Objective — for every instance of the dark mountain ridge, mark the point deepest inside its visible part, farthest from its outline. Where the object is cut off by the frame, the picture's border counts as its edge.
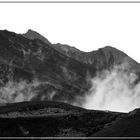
(101, 58)
(25, 59)
(34, 35)
(56, 119)
(61, 75)
(54, 75)
(52, 119)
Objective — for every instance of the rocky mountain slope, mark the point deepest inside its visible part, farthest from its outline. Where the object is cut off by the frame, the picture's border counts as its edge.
(101, 59)
(52, 119)
(25, 59)
(48, 76)
(56, 119)
(60, 72)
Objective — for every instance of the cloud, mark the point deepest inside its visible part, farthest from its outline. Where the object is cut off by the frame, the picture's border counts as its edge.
(115, 90)
(22, 91)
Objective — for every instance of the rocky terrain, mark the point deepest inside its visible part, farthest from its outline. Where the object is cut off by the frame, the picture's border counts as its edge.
(56, 119)
(55, 72)
(40, 82)
(52, 119)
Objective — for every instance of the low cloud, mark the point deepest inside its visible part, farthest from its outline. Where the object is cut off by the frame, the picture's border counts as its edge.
(18, 91)
(116, 89)
(22, 91)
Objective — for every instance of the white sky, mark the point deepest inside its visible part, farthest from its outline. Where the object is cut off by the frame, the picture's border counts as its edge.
(87, 26)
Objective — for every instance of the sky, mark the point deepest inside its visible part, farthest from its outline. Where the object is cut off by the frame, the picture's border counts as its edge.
(86, 26)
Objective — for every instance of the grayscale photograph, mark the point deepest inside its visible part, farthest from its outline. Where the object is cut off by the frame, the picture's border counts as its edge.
(69, 69)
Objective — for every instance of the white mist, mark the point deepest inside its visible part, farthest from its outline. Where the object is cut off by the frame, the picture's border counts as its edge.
(114, 90)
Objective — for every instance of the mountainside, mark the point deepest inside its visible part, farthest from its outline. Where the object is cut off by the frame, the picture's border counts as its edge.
(102, 58)
(34, 35)
(29, 60)
(42, 86)
(52, 119)
(56, 119)
(53, 71)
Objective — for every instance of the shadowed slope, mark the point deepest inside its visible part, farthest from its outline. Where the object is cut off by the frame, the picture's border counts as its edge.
(52, 119)
(128, 126)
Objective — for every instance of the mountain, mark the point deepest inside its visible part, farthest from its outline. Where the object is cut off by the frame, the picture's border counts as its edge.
(30, 34)
(58, 77)
(40, 83)
(101, 58)
(53, 71)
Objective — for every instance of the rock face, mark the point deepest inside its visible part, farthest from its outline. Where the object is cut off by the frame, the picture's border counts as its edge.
(59, 77)
(53, 71)
(34, 35)
(101, 58)
(32, 69)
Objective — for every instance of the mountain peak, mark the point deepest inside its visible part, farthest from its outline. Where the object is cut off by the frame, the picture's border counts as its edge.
(31, 34)
(110, 48)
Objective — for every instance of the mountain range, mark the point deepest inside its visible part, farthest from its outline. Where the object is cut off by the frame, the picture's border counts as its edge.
(60, 69)
(44, 77)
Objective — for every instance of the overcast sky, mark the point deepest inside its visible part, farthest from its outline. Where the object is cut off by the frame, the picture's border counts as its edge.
(87, 26)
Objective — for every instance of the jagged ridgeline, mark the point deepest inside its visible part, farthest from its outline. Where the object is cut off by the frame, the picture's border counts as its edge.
(32, 68)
